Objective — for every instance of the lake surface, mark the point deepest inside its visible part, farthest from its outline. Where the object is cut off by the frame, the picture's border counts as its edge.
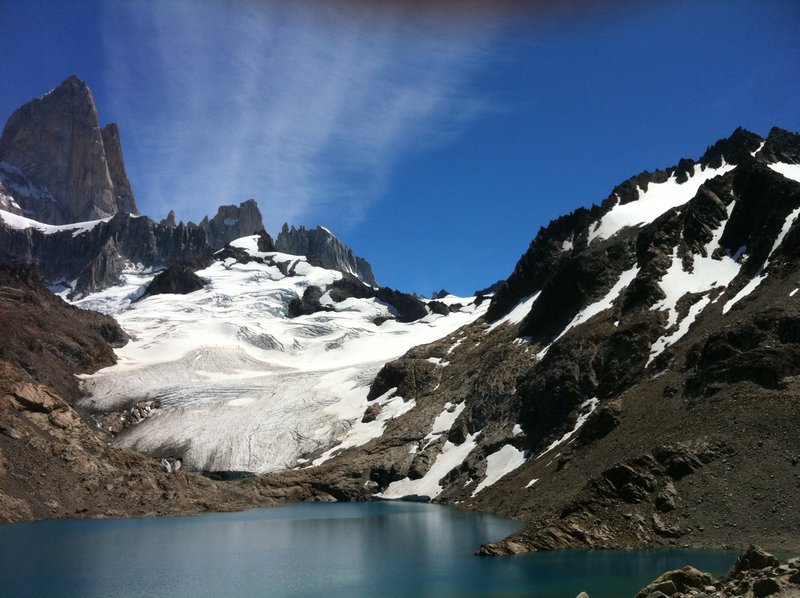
(314, 549)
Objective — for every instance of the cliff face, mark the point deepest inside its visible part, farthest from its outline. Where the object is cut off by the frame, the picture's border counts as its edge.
(89, 260)
(324, 249)
(121, 187)
(57, 143)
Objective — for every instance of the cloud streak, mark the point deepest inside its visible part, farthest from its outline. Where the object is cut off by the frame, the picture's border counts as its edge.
(306, 106)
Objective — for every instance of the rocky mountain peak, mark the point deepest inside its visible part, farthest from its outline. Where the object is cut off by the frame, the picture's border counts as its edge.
(561, 249)
(740, 146)
(323, 248)
(781, 146)
(56, 142)
(232, 222)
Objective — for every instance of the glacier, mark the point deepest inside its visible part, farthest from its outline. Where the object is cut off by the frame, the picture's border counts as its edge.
(240, 385)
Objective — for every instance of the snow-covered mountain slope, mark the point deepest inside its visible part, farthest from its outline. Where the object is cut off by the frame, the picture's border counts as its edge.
(240, 385)
(625, 377)
(18, 222)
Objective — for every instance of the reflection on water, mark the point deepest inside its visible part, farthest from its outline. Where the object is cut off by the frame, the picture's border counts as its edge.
(313, 549)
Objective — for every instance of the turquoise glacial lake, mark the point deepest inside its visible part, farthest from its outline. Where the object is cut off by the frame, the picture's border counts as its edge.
(314, 549)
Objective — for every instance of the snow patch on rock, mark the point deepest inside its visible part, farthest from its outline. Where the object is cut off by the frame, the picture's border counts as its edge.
(499, 464)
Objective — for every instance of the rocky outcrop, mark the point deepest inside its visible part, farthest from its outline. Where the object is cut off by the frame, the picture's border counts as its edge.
(323, 249)
(57, 143)
(403, 307)
(94, 259)
(48, 338)
(178, 279)
(233, 222)
(756, 573)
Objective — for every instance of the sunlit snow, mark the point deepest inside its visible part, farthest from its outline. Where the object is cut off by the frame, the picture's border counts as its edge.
(499, 464)
(22, 223)
(452, 456)
(706, 274)
(517, 314)
(761, 274)
(790, 171)
(445, 420)
(241, 385)
(652, 203)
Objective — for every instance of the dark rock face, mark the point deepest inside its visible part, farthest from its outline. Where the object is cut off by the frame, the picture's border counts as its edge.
(56, 142)
(178, 279)
(540, 263)
(309, 304)
(350, 286)
(47, 337)
(123, 193)
(95, 258)
(232, 222)
(323, 249)
(16, 190)
(765, 350)
(404, 307)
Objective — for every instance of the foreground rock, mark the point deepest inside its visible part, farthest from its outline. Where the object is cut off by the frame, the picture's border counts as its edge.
(756, 573)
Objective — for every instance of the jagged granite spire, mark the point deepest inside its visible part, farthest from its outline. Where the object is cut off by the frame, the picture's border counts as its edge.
(57, 143)
(321, 246)
(123, 193)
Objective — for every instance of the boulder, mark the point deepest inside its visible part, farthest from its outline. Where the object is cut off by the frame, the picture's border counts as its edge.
(754, 557)
(178, 279)
(678, 580)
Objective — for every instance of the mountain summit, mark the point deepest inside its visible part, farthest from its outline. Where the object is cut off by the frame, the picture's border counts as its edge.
(66, 204)
(57, 143)
(322, 247)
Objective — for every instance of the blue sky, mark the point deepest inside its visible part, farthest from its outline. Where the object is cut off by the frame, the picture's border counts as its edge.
(434, 141)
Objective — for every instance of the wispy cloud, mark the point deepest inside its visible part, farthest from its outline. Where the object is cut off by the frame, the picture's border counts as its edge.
(306, 106)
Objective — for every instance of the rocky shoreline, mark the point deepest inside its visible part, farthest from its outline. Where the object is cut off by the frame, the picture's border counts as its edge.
(755, 573)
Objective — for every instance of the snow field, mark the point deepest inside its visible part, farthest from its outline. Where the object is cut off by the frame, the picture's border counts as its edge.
(21, 223)
(790, 171)
(242, 386)
(499, 464)
(659, 198)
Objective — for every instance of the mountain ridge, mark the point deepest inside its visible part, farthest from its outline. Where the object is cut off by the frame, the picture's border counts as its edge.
(634, 382)
(65, 177)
